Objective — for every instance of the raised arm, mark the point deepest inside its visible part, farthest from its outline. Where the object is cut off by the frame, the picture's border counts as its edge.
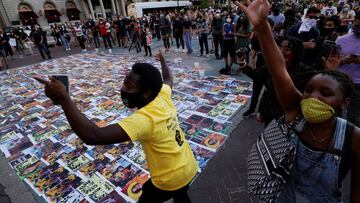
(287, 94)
(166, 72)
(82, 126)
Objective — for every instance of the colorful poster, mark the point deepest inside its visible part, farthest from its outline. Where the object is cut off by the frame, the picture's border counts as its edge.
(43, 150)
(95, 188)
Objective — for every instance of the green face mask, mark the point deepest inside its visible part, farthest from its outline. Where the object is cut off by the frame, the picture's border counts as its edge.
(316, 111)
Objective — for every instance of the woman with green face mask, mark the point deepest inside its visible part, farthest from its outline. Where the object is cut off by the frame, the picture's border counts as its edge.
(327, 147)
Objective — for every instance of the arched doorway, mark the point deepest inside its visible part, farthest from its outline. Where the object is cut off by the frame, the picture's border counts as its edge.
(71, 11)
(26, 14)
(52, 15)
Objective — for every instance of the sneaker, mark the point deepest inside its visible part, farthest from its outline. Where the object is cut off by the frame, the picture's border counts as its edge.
(96, 49)
(110, 51)
(184, 51)
(178, 50)
(218, 58)
(248, 113)
(207, 55)
(224, 71)
(200, 55)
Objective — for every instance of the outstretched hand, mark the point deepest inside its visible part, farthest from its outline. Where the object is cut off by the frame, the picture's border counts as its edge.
(160, 57)
(54, 89)
(257, 11)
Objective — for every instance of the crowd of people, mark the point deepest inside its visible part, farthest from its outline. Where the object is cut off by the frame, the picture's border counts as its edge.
(224, 32)
(306, 55)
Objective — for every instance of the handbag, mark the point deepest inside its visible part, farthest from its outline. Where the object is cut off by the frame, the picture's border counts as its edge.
(270, 161)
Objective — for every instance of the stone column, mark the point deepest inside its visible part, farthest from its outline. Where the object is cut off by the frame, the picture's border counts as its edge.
(117, 7)
(85, 8)
(122, 6)
(113, 8)
(91, 9)
(102, 9)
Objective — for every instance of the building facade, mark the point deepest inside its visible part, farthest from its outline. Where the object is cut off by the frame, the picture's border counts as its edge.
(47, 12)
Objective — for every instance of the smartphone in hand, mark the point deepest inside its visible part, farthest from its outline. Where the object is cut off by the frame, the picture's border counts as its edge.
(64, 79)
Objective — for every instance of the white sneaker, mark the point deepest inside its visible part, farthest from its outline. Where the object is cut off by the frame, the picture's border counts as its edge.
(177, 50)
(207, 55)
(184, 50)
(110, 51)
(96, 49)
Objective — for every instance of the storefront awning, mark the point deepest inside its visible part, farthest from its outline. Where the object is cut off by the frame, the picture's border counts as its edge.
(73, 14)
(28, 14)
(73, 10)
(50, 13)
(53, 16)
(28, 17)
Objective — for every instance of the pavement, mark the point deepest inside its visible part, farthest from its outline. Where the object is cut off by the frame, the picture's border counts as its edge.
(224, 178)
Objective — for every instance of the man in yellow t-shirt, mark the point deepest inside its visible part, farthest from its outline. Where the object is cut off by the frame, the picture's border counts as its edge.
(169, 157)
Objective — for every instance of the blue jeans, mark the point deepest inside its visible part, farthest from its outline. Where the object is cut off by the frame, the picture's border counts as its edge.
(203, 41)
(315, 174)
(43, 48)
(353, 111)
(187, 39)
(65, 42)
(96, 41)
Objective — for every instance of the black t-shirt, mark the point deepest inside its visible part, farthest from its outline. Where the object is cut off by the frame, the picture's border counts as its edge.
(178, 26)
(217, 26)
(187, 24)
(121, 26)
(36, 36)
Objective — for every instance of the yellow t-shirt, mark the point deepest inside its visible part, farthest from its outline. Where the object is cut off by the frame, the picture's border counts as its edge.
(171, 162)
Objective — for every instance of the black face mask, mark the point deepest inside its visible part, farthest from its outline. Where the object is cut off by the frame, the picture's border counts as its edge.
(328, 30)
(132, 100)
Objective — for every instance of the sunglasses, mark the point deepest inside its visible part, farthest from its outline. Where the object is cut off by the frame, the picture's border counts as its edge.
(313, 17)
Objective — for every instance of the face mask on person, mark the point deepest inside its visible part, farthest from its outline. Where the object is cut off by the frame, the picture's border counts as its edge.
(310, 22)
(132, 100)
(316, 111)
(228, 20)
(328, 30)
(346, 10)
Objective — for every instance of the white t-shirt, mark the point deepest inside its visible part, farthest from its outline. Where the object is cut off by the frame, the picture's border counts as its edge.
(329, 11)
(78, 31)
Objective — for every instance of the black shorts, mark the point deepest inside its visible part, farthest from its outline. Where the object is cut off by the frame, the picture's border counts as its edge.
(152, 194)
(229, 47)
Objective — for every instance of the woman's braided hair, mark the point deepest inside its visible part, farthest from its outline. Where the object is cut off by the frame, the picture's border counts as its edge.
(346, 84)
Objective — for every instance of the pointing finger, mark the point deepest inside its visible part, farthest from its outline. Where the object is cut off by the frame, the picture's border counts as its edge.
(45, 82)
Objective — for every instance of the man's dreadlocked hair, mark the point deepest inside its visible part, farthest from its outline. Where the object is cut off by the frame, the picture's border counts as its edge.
(345, 81)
